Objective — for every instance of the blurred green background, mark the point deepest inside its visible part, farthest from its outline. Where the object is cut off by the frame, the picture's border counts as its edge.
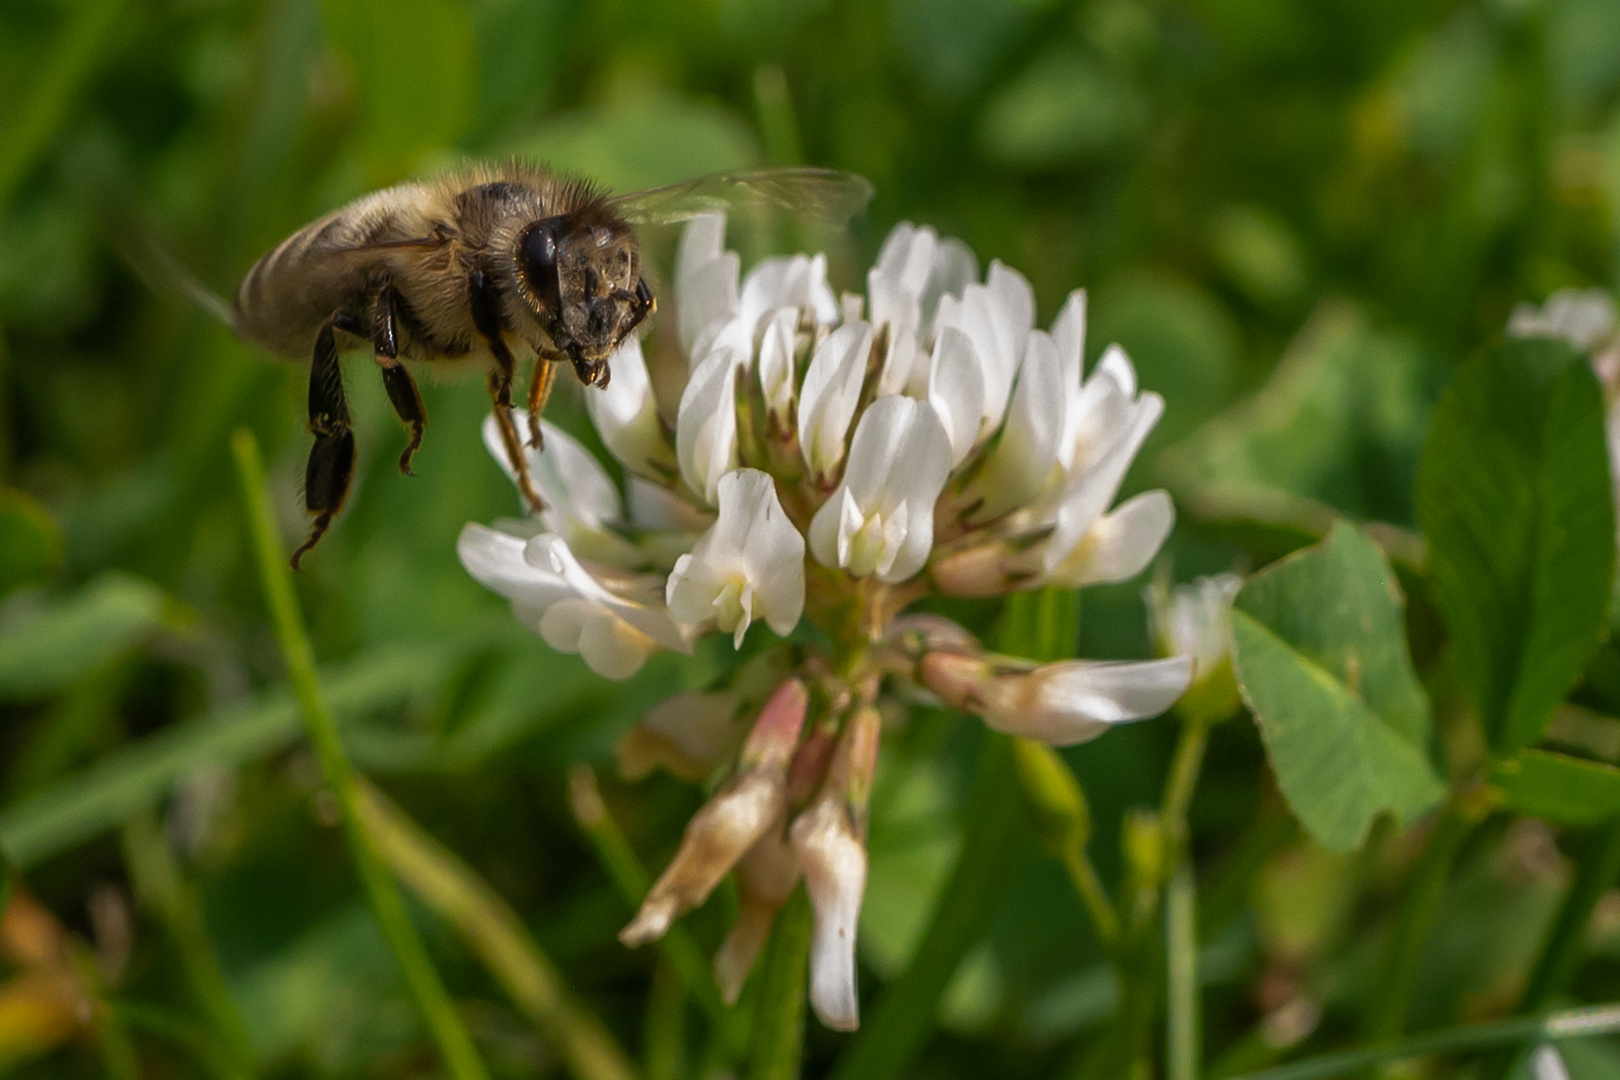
(1297, 216)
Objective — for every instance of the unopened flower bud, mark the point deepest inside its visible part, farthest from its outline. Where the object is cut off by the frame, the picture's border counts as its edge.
(717, 836)
(829, 839)
(1195, 620)
(957, 679)
(776, 732)
(765, 878)
(923, 632)
(975, 572)
(1077, 700)
(732, 821)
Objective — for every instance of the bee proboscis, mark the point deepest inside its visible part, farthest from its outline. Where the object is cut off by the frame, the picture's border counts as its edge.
(469, 266)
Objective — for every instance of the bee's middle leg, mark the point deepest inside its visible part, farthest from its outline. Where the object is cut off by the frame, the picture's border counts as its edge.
(481, 292)
(402, 392)
(330, 470)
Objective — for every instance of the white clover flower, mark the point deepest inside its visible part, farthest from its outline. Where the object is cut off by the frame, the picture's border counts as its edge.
(749, 564)
(1585, 318)
(880, 520)
(833, 458)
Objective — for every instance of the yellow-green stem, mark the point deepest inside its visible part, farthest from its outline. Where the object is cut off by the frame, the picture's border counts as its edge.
(387, 905)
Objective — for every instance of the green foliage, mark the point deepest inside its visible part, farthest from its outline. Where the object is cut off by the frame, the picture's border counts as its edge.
(1558, 788)
(47, 644)
(1321, 658)
(1300, 219)
(1515, 499)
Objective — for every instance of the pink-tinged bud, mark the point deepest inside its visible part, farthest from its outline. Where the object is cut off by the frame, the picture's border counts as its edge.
(829, 840)
(956, 679)
(834, 863)
(776, 732)
(732, 821)
(977, 572)
(765, 877)
(809, 766)
(717, 836)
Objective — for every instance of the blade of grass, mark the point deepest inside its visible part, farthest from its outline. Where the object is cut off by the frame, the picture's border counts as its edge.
(381, 889)
(493, 930)
(779, 1018)
(159, 884)
(123, 783)
(1570, 1024)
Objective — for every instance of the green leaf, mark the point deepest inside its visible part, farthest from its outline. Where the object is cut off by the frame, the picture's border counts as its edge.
(1320, 653)
(1558, 788)
(1337, 427)
(414, 66)
(48, 645)
(1514, 496)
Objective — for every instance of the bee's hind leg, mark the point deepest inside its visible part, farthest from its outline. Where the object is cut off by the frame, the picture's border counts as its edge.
(481, 293)
(330, 470)
(402, 392)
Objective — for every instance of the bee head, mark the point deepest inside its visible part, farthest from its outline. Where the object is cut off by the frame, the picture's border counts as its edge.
(581, 276)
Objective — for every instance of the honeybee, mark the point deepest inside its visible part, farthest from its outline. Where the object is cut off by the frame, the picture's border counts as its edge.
(470, 266)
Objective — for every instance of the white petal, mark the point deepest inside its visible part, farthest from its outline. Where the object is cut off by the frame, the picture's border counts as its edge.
(626, 413)
(549, 552)
(901, 361)
(1088, 493)
(1024, 459)
(1016, 301)
(956, 390)
(705, 278)
(775, 364)
(613, 648)
(496, 561)
(1069, 335)
(706, 424)
(900, 458)
(1548, 1064)
(834, 864)
(955, 267)
(799, 281)
(1077, 700)
(575, 486)
(653, 506)
(832, 388)
(1121, 544)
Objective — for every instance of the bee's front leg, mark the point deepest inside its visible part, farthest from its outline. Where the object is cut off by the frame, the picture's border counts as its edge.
(402, 392)
(540, 384)
(486, 318)
(330, 470)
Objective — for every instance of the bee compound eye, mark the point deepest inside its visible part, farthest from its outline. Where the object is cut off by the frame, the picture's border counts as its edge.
(537, 259)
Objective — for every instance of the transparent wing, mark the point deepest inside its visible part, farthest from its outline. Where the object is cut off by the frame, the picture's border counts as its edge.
(819, 194)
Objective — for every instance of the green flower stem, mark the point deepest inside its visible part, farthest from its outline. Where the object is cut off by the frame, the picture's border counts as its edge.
(1184, 1029)
(1573, 1024)
(633, 882)
(664, 1030)
(495, 933)
(779, 1014)
(1183, 1025)
(905, 1014)
(1561, 956)
(158, 881)
(1083, 874)
(1415, 916)
(387, 906)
